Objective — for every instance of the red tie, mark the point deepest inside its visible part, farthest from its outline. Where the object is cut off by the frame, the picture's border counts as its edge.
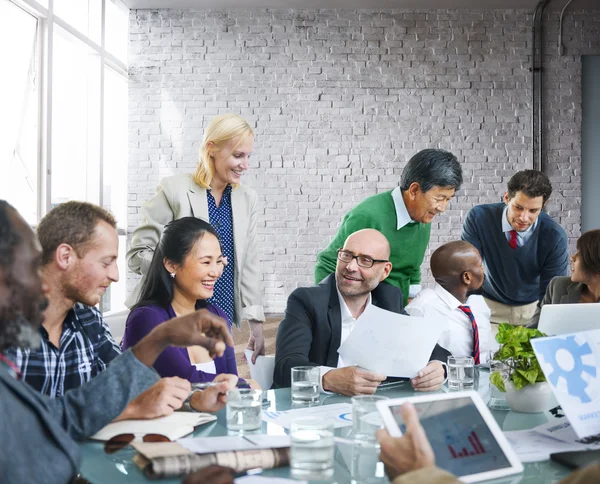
(469, 313)
(513, 239)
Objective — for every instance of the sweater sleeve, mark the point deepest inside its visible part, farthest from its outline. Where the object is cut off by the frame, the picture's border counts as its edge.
(172, 361)
(327, 259)
(470, 232)
(556, 263)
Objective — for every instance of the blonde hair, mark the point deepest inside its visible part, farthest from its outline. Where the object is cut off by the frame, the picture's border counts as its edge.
(220, 130)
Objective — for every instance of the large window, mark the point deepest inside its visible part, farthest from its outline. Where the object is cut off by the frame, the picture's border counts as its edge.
(64, 110)
(19, 115)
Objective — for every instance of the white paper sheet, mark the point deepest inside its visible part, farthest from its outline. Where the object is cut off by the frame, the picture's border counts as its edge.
(340, 414)
(531, 446)
(262, 371)
(391, 343)
(571, 364)
(258, 479)
(173, 426)
(207, 445)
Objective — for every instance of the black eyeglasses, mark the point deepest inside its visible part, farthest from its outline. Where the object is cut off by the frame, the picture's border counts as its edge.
(362, 260)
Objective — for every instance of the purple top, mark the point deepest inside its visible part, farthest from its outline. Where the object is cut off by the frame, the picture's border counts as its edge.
(174, 361)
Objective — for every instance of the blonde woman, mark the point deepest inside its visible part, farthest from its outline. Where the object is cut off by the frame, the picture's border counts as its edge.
(213, 193)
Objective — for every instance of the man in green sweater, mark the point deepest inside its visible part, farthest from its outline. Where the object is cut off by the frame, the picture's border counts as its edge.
(403, 215)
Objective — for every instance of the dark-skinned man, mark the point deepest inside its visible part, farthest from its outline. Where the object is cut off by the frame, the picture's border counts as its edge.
(459, 274)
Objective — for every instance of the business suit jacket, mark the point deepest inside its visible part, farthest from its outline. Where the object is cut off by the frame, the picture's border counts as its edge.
(311, 330)
(561, 290)
(179, 196)
(40, 434)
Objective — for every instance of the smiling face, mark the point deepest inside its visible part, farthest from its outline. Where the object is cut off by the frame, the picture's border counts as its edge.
(89, 274)
(354, 280)
(424, 206)
(232, 160)
(523, 211)
(201, 268)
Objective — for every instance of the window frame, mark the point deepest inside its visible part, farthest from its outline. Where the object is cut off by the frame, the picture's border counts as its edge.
(47, 21)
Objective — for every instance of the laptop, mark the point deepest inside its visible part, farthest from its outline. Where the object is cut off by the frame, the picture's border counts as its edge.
(569, 318)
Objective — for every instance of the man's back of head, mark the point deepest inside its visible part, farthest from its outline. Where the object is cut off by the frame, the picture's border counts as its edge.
(458, 268)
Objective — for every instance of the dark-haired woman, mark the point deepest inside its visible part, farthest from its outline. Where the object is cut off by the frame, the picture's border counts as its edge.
(185, 266)
(584, 284)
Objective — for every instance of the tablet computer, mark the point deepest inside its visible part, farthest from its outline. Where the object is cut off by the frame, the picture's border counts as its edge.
(464, 435)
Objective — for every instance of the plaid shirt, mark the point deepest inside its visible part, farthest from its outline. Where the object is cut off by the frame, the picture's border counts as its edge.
(86, 348)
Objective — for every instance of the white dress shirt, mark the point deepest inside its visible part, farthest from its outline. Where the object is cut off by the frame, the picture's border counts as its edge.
(457, 337)
(522, 237)
(348, 324)
(403, 218)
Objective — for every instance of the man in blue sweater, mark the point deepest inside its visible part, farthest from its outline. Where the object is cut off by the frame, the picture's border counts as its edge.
(522, 247)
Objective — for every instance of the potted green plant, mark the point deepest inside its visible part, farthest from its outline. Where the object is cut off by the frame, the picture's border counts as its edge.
(523, 380)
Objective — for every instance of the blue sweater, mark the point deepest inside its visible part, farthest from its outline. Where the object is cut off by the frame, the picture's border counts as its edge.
(516, 276)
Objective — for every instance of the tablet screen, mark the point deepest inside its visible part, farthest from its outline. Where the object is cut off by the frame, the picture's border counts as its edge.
(461, 440)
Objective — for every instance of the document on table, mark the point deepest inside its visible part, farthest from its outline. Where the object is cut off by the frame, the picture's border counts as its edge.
(258, 479)
(340, 414)
(537, 444)
(391, 343)
(571, 364)
(209, 445)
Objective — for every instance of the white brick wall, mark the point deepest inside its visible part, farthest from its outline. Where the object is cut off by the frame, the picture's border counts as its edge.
(340, 100)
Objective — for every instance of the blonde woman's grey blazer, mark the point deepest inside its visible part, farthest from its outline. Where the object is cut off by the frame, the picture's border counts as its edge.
(179, 196)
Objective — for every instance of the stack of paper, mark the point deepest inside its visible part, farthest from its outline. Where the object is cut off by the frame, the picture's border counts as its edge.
(173, 426)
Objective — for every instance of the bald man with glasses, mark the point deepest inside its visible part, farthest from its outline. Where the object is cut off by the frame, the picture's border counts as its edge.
(318, 319)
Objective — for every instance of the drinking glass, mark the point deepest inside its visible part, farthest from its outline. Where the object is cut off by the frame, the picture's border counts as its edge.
(365, 417)
(244, 408)
(461, 372)
(305, 384)
(312, 449)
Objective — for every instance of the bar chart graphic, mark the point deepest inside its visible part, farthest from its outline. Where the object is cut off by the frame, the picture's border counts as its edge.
(474, 447)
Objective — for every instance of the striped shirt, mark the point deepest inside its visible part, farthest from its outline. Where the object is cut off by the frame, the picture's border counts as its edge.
(86, 348)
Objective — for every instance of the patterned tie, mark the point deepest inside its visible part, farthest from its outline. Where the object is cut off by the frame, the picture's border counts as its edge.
(469, 313)
(513, 239)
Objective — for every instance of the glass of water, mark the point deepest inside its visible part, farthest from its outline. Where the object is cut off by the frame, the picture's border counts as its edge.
(365, 417)
(244, 409)
(497, 398)
(305, 384)
(461, 373)
(366, 466)
(312, 449)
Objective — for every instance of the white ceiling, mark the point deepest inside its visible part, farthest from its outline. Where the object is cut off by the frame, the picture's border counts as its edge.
(338, 4)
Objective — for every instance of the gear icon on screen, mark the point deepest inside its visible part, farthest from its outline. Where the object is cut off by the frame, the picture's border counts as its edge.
(576, 385)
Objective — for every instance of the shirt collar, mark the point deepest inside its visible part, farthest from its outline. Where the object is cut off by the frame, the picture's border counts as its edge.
(506, 227)
(70, 322)
(445, 296)
(345, 312)
(402, 215)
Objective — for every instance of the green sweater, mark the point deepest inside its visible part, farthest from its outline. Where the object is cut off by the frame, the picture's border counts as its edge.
(408, 244)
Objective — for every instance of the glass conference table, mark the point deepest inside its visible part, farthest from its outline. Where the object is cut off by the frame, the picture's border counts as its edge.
(99, 468)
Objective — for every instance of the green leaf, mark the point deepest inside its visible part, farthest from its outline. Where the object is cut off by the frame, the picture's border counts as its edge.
(519, 380)
(529, 375)
(497, 380)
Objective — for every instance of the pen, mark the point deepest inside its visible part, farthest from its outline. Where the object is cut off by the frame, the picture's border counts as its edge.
(204, 385)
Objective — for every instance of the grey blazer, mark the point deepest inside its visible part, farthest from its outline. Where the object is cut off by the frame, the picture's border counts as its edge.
(40, 434)
(179, 196)
(561, 290)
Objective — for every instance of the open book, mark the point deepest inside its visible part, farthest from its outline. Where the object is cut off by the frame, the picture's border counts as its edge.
(174, 426)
